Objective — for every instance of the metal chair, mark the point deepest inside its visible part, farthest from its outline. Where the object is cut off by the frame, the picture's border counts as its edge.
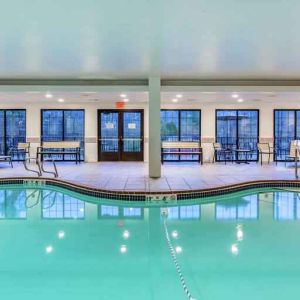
(226, 153)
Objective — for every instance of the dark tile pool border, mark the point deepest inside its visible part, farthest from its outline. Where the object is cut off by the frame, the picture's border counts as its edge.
(141, 196)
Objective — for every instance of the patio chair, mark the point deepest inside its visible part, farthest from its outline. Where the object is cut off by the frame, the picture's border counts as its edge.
(292, 154)
(225, 152)
(265, 149)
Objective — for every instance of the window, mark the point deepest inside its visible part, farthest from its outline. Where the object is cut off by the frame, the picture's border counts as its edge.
(286, 129)
(238, 129)
(181, 125)
(186, 212)
(60, 206)
(12, 129)
(108, 211)
(245, 209)
(132, 212)
(286, 206)
(13, 204)
(63, 125)
(112, 212)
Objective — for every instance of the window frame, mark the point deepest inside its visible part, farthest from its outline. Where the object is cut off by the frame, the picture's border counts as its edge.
(121, 215)
(294, 110)
(63, 128)
(63, 217)
(237, 127)
(179, 121)
(179, 132)
(6, 191)
(6, 150)
(277, 213)
(236, 207)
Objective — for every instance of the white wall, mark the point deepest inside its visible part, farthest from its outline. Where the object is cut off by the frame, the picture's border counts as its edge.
(207, 121)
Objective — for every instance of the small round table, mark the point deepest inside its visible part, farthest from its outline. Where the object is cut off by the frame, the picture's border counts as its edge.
(246, 151)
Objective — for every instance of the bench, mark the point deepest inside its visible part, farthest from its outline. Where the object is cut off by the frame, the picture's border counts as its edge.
(21, 151)
(62, 147)
(181, 148)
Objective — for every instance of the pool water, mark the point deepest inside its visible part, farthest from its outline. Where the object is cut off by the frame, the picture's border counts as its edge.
(55, 244)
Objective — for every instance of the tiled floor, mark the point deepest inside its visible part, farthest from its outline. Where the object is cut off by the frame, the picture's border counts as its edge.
(132, 176)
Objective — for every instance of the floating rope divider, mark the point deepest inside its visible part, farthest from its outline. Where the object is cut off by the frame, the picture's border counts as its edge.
(174, 258)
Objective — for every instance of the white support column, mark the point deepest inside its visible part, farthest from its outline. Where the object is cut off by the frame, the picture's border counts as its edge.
(154, 128)
(91, 138)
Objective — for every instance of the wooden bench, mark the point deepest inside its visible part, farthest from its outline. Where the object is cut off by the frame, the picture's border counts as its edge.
(181, 148)
(62, 147)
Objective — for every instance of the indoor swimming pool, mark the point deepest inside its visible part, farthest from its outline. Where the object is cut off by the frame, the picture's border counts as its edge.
(57, 244)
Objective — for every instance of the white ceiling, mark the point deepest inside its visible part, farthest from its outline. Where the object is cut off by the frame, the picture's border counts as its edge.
(137, 38)
(142, 97)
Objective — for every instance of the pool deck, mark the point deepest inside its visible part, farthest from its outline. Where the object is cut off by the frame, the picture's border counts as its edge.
(133, 176)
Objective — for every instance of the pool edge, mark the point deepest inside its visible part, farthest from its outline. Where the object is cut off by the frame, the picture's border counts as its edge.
(141, 196)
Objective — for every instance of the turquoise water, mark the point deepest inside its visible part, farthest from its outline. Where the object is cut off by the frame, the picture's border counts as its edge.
(58, 245)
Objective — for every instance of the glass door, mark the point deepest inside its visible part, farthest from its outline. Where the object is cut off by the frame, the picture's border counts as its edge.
(132, 139)
(109, 144)
(120, 135)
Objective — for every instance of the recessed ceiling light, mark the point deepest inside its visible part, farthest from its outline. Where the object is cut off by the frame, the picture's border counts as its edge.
(175, 100)
(234, 95)
(126, 100)
(61, 100)
(49, 95)
(123, 96)
(240, 100)
(179, 96)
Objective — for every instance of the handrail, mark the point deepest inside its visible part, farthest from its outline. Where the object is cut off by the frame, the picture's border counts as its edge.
(55, 172)
(39, 172)
(41, 198)
(40, 165)
(37, 201)
(53, 202)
